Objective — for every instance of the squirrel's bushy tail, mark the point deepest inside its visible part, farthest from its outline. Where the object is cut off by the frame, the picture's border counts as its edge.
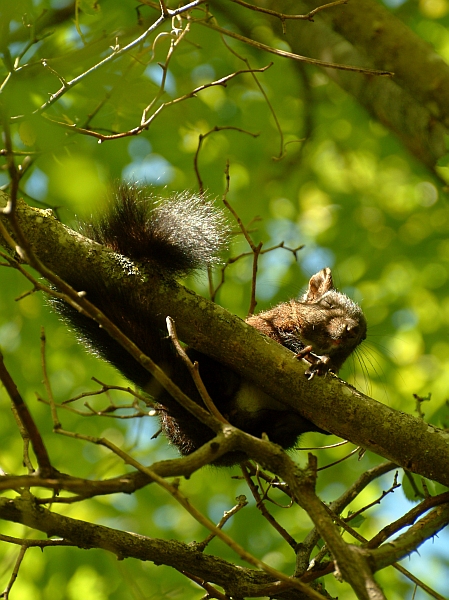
(175, 236)
(179, 234)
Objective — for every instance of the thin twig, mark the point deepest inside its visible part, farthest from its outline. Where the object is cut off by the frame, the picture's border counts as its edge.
(144, 125)
(194, 372)
(51, 400)
(263, 509)
(283, 53)
(116, 53)
(26, 420)
(202, 137)
(284, 17)
(242, 502)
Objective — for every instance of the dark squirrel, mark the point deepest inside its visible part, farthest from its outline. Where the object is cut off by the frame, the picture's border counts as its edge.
(177, 236)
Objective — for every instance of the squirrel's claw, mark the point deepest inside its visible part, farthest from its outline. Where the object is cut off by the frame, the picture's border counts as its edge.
(319, 365)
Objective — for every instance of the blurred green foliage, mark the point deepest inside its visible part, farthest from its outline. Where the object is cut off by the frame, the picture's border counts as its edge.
(343, 187)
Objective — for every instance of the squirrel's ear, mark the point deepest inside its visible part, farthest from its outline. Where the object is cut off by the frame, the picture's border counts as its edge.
(319, 284)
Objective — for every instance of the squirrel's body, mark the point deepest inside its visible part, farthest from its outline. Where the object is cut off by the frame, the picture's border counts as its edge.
(176, 237)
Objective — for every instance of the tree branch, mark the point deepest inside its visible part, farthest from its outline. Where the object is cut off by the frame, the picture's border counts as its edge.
(238, 581)
(414, 104)
(330, 403)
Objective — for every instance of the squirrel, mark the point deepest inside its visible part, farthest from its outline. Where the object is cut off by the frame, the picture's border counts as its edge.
(177, 236)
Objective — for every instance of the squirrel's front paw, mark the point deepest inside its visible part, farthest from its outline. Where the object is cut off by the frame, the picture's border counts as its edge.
(319, 365)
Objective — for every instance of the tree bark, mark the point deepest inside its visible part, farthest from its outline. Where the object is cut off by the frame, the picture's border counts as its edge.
(329, 402)
(413, 104)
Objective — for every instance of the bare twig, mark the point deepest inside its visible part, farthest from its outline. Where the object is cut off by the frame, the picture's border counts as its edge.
(255, 250)
(264, 94)
(26, 420)
(212, 592)
(14, 573)
(51, 400)
(116, 53)
(263, 509)
(202, 137)
(145, 123)
(194, 372)
(408, 519)
(242, 502)
(283, 53)
(395, 485)
(285, 17)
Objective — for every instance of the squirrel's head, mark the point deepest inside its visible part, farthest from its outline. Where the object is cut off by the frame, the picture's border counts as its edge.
(331, 322)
